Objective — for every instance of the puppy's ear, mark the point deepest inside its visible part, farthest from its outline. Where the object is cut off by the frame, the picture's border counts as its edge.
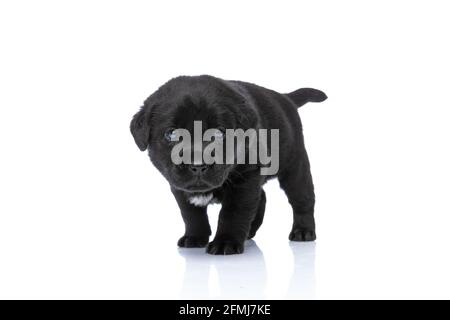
(140, 128)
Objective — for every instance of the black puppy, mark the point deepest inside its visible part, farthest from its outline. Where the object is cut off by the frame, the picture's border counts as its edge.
(228, 105)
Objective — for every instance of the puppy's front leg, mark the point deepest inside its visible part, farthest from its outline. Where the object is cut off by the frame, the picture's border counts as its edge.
(239, 206)
(197, 229)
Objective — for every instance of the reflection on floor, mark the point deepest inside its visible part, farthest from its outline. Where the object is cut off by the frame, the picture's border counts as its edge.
(303, 280)
(244, 276)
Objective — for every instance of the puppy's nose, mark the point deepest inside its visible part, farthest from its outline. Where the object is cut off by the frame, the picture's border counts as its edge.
(198, 169)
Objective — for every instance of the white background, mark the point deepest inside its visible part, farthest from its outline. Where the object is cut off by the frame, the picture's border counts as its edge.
(83, 214)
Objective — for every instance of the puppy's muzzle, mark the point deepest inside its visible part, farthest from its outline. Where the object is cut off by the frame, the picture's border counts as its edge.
(199, 170)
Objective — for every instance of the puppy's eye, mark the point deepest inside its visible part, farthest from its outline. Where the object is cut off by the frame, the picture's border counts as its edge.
(219, 134)
(170, 135)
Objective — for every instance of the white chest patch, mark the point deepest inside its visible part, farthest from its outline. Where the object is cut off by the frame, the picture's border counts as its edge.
(201, 200)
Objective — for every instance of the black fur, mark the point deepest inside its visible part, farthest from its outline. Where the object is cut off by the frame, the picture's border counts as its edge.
(229, 104)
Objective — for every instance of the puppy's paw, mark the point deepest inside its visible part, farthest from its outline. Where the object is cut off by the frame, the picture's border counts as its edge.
(251, 235)
(302, 235)
(225, 247)
(193, 242)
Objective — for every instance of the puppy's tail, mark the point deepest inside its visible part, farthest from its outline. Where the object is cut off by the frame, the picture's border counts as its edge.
(304, 95)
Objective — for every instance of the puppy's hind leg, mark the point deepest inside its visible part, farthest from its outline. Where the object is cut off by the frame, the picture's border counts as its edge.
(257, 221)
(298, 186)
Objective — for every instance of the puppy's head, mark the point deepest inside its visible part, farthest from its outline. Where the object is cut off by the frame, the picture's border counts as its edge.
(176, 105)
